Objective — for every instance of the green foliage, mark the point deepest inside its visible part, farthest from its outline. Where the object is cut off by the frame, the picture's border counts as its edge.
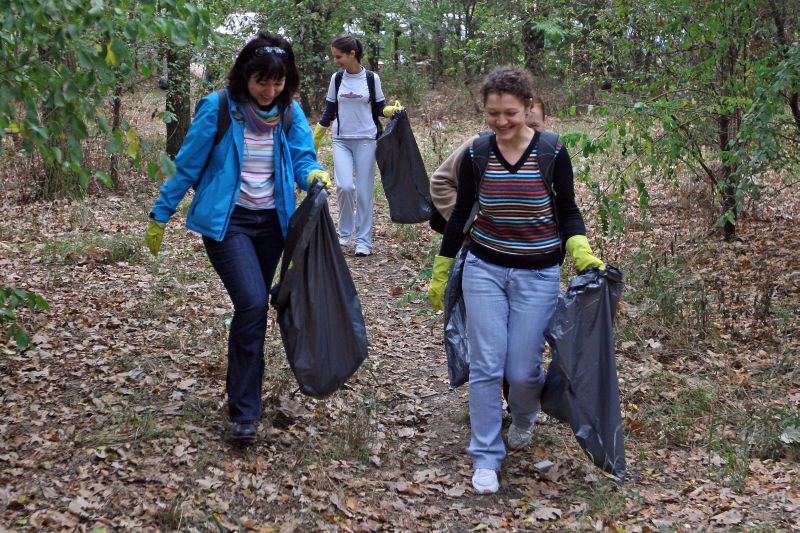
(701, 101)
(60, 62)
(10, 299)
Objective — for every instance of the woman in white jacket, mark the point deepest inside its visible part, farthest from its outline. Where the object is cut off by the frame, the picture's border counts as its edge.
(354, 102)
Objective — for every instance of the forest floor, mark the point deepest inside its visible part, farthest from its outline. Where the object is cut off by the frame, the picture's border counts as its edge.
(115, 418)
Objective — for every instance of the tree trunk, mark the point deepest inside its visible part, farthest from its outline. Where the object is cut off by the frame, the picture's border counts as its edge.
(178, 97)
(116, 121)
(779, 18)
(396, 56)
(533, 42)
(374, 44)
(728, 187)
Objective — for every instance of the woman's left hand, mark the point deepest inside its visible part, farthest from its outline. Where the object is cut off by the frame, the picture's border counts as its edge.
(390, 110)
(580, 251)
(320, 175)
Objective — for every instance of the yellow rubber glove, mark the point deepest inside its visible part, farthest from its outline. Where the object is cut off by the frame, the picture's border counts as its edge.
(390, 110)
(441, 271)
(578, 248)
(153, 236)
(319, 133)
(320, 175)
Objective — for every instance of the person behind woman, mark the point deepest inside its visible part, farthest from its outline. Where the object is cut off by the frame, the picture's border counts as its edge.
(511, 273)
(355, 107)
(243, 200)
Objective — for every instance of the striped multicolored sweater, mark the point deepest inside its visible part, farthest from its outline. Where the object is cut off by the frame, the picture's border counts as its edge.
(521, 223)
(257, 190)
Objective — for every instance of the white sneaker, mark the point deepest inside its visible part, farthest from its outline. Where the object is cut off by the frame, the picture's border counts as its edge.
(484, 481)
(344, 241)
(518, 438)
(362, 251)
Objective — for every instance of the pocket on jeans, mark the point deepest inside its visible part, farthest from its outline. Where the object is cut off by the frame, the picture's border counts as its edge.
(471, 259)
(552, 273)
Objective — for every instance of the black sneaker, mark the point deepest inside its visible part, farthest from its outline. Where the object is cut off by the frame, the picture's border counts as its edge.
(243, 431)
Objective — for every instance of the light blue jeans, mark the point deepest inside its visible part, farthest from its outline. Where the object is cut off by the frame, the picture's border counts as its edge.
(507, 312)
(355, 158)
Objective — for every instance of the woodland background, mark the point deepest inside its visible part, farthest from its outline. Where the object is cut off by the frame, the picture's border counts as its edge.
(683, 121)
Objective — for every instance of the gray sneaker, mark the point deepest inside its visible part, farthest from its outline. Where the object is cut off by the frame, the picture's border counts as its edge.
(519, 438)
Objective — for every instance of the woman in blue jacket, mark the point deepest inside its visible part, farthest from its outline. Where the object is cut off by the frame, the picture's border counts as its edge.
(245, 195)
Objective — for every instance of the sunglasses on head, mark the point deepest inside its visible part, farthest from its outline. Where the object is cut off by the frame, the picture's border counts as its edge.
(267, 50)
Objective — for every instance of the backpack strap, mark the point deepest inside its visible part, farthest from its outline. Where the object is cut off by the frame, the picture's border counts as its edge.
(480, 157)
(223, 116)
(547, 158)
(337, 82)
(480, 160)
(373, 104)
(288, 117)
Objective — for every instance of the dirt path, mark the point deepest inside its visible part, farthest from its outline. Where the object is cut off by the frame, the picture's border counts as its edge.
(115, 417)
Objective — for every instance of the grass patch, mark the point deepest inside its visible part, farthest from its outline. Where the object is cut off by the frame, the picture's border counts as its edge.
(761, 432)
(604, 500)
(171, 518)
(671, 410)
(354, 432)
(123, 427)
(94, 248)
(668, 302)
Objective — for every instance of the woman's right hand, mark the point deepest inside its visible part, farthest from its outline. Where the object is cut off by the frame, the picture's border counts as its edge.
(153, 236)
(319, 133)
(441, 271)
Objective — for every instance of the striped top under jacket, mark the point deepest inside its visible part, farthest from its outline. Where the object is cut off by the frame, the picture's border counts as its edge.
(258, 166)
(521, 224)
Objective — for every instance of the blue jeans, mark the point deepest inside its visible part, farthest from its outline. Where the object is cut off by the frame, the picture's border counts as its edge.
(355, 197)
(246, 260)
(507, 312)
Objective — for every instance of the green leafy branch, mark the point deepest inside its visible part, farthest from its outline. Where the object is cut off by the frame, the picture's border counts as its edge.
(10, 300)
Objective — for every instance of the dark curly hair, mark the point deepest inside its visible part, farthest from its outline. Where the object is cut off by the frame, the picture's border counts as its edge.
(509, 80)
(269, 66)
(347, 44)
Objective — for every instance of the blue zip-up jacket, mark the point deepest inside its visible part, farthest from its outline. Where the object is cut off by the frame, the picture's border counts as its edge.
(218, 182)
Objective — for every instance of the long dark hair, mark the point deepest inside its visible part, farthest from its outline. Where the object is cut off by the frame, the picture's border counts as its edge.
(267, 57)
(347, 44)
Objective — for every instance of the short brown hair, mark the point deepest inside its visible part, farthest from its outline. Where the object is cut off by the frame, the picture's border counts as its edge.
(508, 80)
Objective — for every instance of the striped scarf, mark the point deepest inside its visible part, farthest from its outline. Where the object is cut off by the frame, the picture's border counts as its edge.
(259, 121)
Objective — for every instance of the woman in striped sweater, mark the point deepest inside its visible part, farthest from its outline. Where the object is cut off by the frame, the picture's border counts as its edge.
(511, 273)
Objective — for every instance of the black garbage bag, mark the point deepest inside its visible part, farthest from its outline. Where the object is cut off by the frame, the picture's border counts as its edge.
(455, 324)
(319, 314)
(581, 386)
(403, 174)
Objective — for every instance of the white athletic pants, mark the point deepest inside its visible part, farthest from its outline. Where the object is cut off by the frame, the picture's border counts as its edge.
(354, 173)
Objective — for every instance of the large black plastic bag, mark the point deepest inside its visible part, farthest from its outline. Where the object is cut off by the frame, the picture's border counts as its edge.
(403, 174)
(319, 313)
(455, 325)
(581, 387)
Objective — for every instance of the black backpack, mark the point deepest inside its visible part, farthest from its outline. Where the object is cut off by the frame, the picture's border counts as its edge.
(337, 82)
(224, 117)
(546, 154)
